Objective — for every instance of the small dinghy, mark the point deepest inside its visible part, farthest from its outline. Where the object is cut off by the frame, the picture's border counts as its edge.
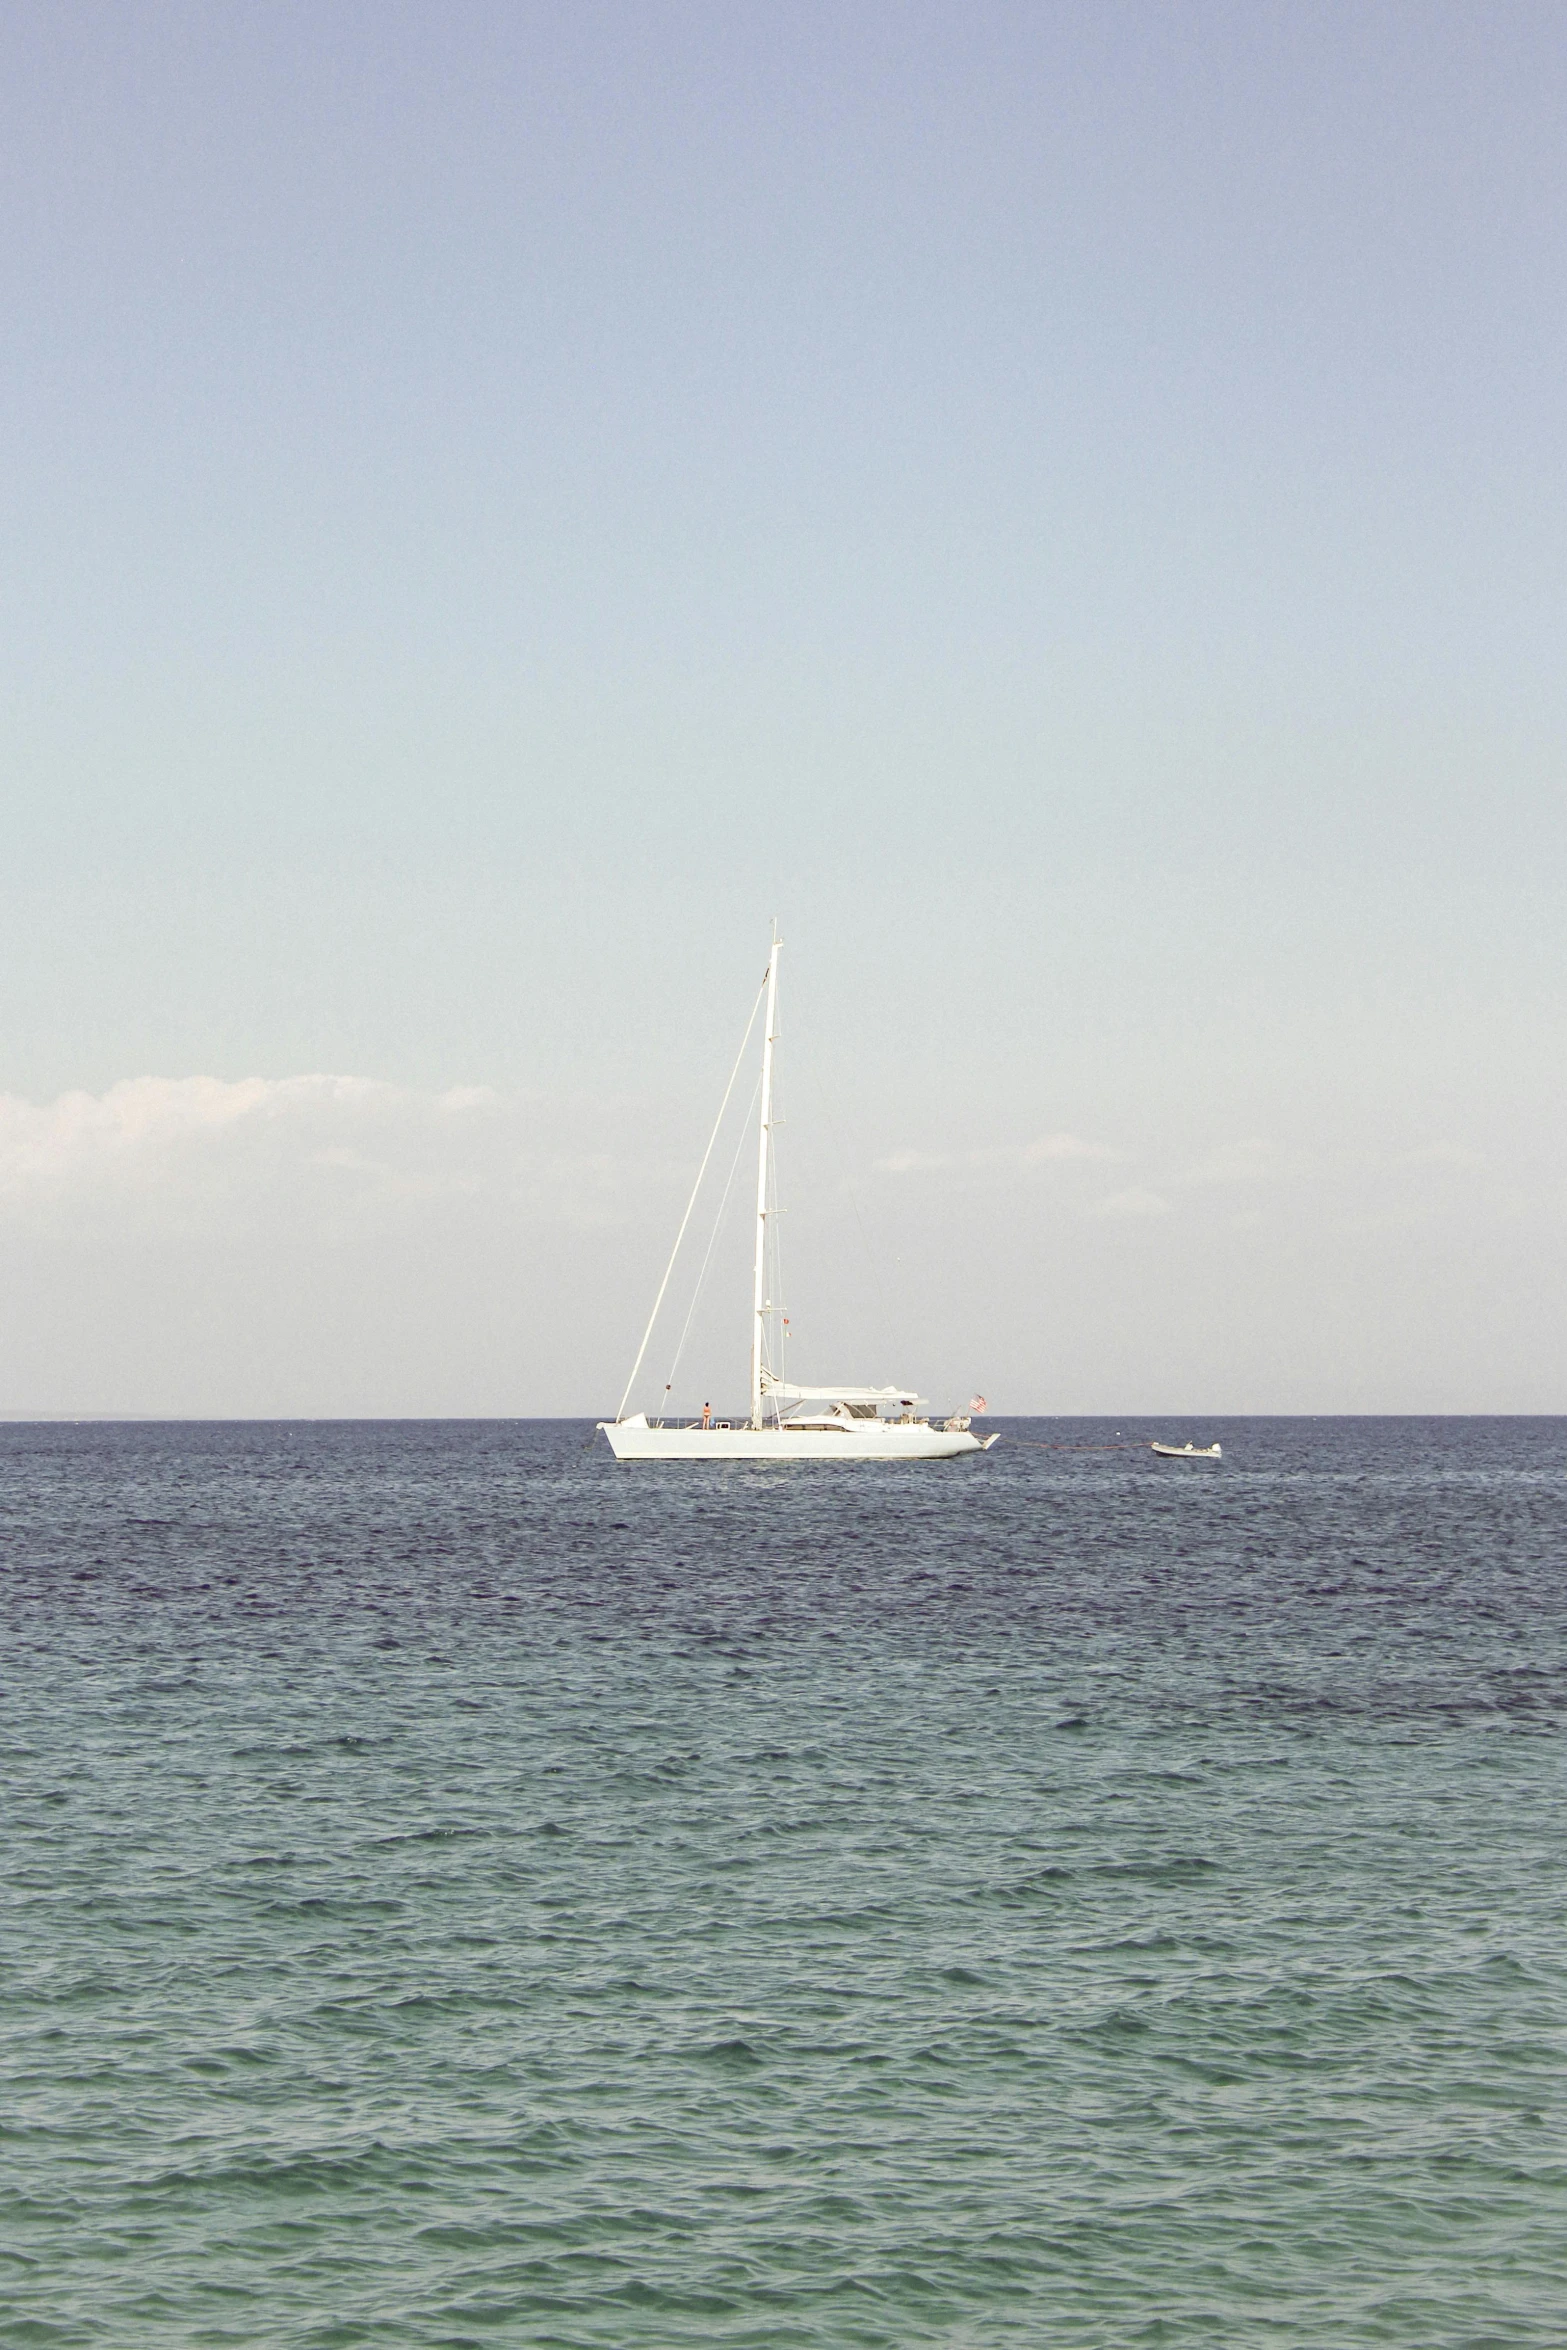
(1188, 1452)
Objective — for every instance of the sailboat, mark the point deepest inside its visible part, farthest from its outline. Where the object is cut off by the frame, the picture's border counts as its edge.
(786, 1422)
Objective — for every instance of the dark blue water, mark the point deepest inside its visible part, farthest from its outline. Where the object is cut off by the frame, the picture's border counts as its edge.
(460, 1891)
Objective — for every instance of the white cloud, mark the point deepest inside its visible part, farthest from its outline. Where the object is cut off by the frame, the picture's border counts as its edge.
(1443, 1154)
(1067, 1147)
(1062, 1146)
(1132, 1202)
(911, 1163)
(194, 1149)
(48, 1147)
(1251, 1161)
(1000, 1157)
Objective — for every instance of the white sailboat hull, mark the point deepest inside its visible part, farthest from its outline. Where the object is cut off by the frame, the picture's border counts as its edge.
(888, 1440)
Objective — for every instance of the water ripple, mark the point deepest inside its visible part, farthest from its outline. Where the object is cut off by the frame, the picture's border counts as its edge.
(461, 1892)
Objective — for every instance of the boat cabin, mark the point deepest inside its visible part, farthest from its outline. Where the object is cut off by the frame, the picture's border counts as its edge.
(844, 1408)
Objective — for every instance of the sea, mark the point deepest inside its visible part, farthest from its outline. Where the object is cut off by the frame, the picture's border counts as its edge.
(458, 1891)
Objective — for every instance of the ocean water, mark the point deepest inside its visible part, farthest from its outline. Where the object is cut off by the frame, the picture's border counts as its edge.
(458, 1891)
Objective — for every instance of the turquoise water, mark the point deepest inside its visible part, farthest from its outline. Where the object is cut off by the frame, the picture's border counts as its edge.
(459, 1891)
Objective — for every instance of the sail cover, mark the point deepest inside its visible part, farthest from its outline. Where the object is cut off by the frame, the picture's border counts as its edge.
(790, 1394)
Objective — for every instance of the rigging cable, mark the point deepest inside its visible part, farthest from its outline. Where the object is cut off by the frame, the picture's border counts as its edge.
(691, 1203)
(712, 1243)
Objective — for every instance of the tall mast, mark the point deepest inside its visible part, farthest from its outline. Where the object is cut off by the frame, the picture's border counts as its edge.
(759, 1291)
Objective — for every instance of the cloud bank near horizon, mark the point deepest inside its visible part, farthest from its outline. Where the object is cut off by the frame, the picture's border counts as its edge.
(183, 1149)
(340, 1244)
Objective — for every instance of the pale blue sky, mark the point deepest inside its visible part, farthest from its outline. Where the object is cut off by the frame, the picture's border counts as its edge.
(1062, 504)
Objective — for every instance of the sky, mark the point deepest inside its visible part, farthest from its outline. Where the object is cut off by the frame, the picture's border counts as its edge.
(1061, 506)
